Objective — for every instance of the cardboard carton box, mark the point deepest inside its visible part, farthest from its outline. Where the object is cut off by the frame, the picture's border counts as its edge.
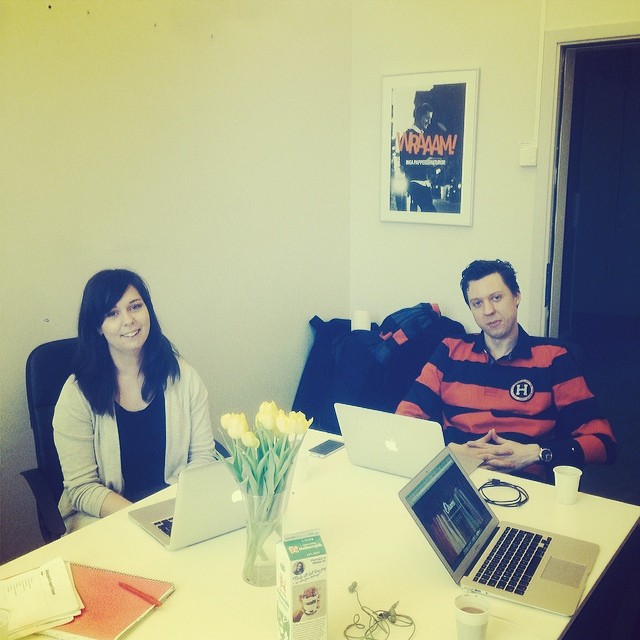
(301, 562)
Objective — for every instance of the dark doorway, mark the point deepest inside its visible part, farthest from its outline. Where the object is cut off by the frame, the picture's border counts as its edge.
(595, 298)
(601, 253)
(599, 297)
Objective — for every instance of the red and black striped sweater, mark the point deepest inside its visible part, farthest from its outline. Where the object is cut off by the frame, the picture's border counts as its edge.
(537, 393)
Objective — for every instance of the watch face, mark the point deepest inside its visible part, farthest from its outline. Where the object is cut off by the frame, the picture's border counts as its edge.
(546, 455)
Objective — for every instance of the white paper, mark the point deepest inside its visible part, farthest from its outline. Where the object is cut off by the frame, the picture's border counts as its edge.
(40, 598)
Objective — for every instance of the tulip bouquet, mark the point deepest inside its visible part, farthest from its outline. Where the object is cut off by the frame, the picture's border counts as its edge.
(261, 460)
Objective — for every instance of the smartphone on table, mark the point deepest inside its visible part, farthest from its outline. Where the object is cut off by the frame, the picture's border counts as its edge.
(326, 448)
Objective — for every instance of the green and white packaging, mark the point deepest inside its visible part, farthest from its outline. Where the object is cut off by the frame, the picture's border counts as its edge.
(301, 587)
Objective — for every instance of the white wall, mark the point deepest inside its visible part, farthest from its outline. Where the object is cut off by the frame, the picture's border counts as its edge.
(399, 264)
(203, 144)
(422, 262)
(229, 151)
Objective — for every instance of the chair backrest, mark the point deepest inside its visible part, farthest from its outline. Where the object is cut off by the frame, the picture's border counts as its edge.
(48, 367)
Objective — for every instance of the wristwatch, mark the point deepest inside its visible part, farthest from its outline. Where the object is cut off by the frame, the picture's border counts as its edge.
(545, 455)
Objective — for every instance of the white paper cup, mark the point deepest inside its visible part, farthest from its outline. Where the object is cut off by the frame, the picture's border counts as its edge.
(360, 321)
(4, 624)
(567, 480)
(472, 616)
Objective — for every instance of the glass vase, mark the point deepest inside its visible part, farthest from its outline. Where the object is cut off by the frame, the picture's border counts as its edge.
(264, 530)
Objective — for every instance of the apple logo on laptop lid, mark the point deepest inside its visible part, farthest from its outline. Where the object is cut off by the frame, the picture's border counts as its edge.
(391, 444)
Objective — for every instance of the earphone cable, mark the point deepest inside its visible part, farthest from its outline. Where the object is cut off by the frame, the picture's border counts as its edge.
(520, 497)
(378, 621)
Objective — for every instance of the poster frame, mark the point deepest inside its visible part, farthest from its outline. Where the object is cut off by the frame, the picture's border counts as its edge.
(452, 131)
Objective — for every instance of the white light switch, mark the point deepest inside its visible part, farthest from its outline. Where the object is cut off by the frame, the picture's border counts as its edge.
(528, 155)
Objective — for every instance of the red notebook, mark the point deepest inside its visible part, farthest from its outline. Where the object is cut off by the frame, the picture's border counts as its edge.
(110, 610)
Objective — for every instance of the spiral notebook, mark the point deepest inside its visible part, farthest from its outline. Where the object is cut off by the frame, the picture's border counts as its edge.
(110, 609)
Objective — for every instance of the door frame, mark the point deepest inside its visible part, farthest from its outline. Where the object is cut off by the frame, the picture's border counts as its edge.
(553, 141)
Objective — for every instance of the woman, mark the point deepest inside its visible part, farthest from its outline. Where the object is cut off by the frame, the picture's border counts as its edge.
(133, 414)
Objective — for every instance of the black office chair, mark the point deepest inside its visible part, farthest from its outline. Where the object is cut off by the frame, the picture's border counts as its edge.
(48, 366)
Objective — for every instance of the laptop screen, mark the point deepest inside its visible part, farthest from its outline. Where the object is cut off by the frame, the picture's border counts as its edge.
(448, 509)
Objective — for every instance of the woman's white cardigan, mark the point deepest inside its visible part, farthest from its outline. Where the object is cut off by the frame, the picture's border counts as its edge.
(89, 448)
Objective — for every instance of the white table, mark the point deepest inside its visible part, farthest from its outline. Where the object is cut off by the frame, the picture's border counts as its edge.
(370, 538)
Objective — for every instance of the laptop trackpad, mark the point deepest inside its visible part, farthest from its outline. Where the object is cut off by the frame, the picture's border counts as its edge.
(563, 572)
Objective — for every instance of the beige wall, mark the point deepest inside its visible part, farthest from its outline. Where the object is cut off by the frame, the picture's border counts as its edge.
(398, 264)
(203, 144)
(229, 151)
(428, 259)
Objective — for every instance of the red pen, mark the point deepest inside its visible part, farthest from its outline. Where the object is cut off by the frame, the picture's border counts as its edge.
(141, 594)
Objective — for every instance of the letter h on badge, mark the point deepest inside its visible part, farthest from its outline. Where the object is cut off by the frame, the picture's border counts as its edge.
(522, 390)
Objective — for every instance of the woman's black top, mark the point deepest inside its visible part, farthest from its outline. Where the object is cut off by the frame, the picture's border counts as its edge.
(143, 441)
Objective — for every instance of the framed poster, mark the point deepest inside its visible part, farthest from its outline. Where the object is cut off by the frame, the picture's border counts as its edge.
(428, 147)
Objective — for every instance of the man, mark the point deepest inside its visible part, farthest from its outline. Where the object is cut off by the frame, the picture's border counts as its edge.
(517, 402)
(419, 175)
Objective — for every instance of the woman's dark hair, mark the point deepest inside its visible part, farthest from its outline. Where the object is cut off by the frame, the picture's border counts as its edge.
(479, 269)
(94, 367)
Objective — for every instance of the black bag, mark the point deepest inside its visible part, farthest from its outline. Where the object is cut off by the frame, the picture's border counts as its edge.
(372, 369)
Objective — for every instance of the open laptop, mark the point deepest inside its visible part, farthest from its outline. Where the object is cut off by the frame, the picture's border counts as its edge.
(208, 503)
(388, 442)
(464, 531)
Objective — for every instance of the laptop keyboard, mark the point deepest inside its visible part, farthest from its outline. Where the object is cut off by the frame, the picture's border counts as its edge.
(165, 525)
(513, 560)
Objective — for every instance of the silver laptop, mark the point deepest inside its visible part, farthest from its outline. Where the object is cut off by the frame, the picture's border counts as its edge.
(388, 442)
(464, 533)
(208, 503)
